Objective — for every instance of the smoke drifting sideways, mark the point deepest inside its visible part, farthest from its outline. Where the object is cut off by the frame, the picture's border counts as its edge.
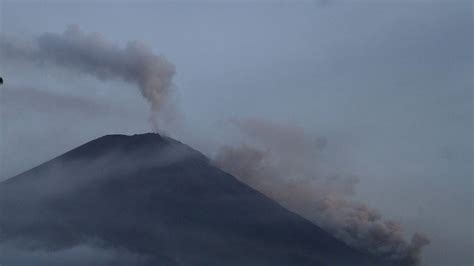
(91, 53)
(281, 161)
(289, 166)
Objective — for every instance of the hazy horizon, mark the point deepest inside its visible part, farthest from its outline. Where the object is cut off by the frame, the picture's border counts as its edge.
(386, 86)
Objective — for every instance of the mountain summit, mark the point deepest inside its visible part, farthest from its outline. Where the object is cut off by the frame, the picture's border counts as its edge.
(151, 200)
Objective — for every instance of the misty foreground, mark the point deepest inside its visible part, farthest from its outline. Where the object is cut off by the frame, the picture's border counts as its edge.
(150, 200)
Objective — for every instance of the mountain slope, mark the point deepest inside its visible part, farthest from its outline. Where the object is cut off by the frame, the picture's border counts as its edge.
(158, 201)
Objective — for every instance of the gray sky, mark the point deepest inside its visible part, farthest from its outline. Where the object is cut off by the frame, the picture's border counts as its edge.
(389, 81)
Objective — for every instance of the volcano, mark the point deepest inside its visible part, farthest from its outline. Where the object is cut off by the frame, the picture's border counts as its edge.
(150, 200)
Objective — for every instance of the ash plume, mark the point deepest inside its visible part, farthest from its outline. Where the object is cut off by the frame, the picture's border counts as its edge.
(91, 53)
(283, 162)
(287, 165)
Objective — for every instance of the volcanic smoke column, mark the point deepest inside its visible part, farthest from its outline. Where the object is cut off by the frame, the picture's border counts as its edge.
(285, 163)
(91, 53)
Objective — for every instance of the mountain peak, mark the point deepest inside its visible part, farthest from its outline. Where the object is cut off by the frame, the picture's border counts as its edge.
(118, 141)
(161, 201)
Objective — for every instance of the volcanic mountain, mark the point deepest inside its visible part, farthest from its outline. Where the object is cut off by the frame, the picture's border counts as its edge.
(151, 200)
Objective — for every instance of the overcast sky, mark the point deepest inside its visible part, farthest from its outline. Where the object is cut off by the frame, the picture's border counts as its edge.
(389, 81)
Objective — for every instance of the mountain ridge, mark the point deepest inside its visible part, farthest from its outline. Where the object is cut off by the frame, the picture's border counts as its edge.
(156, 197)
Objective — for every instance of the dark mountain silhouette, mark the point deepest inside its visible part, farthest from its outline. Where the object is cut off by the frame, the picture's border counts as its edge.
(159, 200)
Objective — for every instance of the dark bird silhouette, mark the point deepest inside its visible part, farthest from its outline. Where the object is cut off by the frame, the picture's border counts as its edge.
(1, 80)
